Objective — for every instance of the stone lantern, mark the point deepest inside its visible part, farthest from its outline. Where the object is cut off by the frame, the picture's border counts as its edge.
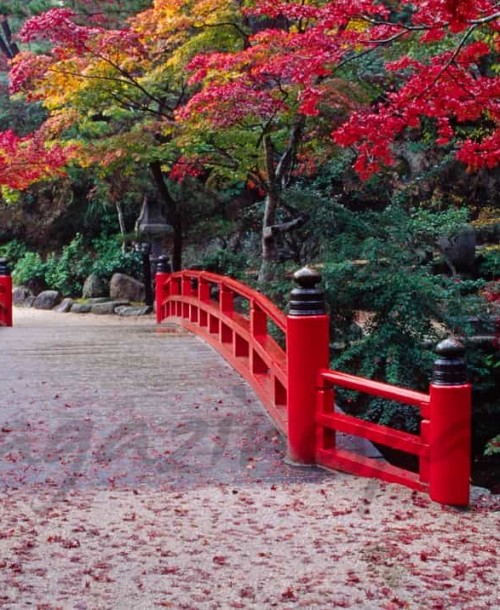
(151, 228)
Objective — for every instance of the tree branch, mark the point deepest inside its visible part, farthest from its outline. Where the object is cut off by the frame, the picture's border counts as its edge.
(286, 162)
(286, 227)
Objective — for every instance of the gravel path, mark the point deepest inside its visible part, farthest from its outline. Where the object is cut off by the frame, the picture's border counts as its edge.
(138, 471)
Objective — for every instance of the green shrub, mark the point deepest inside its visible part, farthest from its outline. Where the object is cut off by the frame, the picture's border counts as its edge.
(109, 258)
(29, 267)
(493, 446)
(13, 251)
(489, 266)
(388, 308)
(67, 271)
(225, 262)
(376, 266)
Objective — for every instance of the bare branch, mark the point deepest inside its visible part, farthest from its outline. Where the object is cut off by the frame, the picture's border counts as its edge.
(285, 227)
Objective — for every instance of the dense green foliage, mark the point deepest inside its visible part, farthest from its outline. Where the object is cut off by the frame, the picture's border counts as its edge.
(67, 270)
(389, 306)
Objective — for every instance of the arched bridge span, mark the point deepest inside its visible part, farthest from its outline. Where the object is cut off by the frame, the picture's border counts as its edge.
(285, 358)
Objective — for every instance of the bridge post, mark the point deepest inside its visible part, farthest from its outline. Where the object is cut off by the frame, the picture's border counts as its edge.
(307, 336)
(450, 426)
(162, 272)
(6, 289)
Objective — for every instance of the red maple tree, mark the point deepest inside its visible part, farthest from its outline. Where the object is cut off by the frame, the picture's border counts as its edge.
(438, 60)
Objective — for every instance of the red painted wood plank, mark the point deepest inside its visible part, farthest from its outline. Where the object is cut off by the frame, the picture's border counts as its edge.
(375, 388)
(270, 309)
(374, 432)
(368, 467)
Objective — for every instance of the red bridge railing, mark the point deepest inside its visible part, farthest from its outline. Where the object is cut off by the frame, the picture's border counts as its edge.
(5, 294)
(442, 447)
(292, 379)
(236, 321)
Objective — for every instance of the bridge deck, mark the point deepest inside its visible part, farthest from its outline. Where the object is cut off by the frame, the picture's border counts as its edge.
(138, 471)
(89, 400)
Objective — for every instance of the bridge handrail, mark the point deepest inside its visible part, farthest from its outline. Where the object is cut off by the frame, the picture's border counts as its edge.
(242, 339)
(268, 307)
(332, 421)
(442, 445)
(405, 396)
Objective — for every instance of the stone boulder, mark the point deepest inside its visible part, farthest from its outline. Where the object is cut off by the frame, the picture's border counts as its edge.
(47, 299)
(80, 308)
(125, 287)
(36, 286)
(133, 311)
(460, 249)
(102, 309)
(64, 306)
(94, 287)
(19, 296)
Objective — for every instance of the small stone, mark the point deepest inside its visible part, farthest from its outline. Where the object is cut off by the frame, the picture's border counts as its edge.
(126, 287)
(123, 310)
(36, 285)
(19, 295)
(96, 300)
(460, 248)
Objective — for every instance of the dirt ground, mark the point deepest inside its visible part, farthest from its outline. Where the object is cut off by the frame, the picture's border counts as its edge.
(182, 500)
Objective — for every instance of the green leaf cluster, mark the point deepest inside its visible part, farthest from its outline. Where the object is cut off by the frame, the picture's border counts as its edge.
(67, 270)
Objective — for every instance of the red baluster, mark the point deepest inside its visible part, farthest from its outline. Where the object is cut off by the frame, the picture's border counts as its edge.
(161, 288)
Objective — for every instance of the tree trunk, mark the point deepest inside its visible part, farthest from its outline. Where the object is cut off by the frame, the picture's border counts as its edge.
(171, 214)
(7, 46)
(121, 222)
(278, 176)
(268, 239)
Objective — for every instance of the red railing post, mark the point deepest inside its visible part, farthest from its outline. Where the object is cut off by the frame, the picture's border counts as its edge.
(186, 287)
(258, 320)
(162, 273)
(450, 426)
(307, 338)
(6, 289)
(203, 290)
(226, 299)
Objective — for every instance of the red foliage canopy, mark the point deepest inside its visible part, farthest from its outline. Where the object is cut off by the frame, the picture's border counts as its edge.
(450, 84)
(27, 160)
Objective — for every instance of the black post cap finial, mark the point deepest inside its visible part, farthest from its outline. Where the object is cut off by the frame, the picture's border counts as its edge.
(163, 265)
(307, 299)
(307, 277)
(4, 267)
(450, 367)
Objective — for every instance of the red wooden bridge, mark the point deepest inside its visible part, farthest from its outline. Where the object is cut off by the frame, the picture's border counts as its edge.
(285, 358)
